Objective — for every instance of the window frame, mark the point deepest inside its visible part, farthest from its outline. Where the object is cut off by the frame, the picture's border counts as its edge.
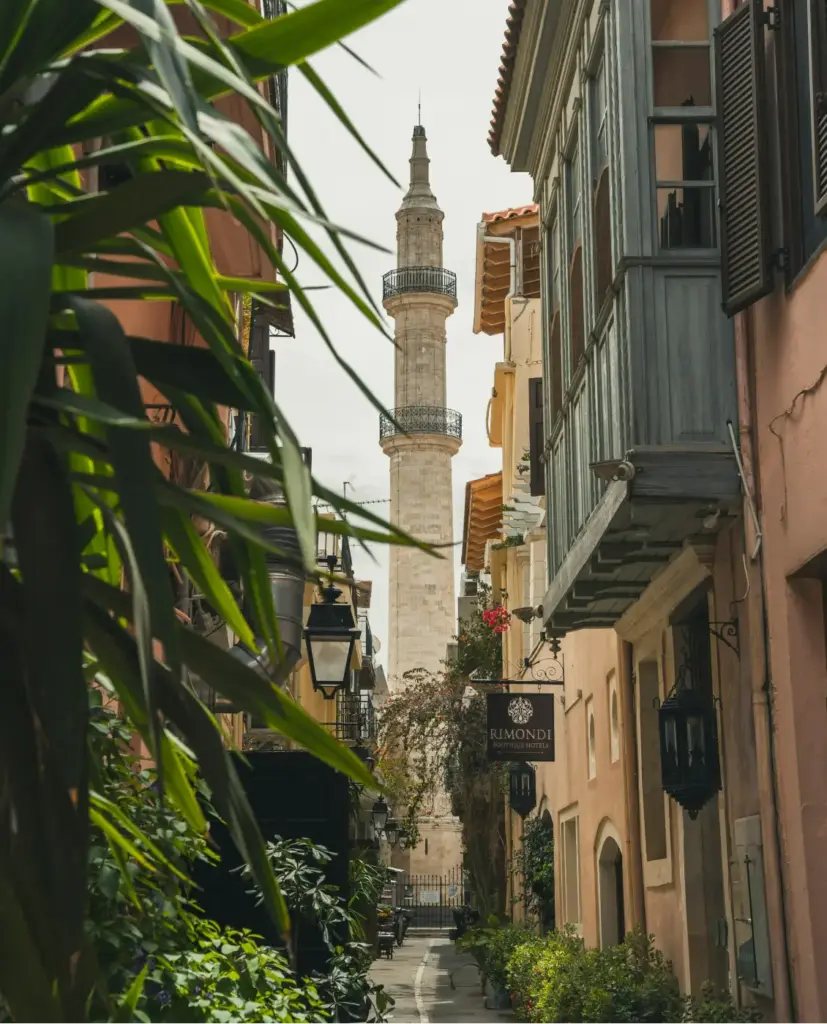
(700, 115)
(572, 814)
(591, 740)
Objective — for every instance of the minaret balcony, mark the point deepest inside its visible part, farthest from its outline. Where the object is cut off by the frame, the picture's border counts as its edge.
(420, 419)
(433, 280)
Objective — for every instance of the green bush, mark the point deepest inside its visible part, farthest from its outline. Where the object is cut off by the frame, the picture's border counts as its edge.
(555, 978)
(713, 1005)
(492, 948)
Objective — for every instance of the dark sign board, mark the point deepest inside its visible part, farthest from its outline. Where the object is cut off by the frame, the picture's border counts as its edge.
(520, 726)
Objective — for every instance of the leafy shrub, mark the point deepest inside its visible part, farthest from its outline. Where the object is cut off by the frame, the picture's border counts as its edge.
(713, 1005)
(535, 859)
(226, 975)
(492, 948)
(555, 978)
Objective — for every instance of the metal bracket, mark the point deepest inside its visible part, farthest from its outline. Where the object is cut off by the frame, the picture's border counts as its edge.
(727, 633)
(780, 259)
(772, 18)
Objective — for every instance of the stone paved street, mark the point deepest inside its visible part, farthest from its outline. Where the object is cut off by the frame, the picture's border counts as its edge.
(432, 984)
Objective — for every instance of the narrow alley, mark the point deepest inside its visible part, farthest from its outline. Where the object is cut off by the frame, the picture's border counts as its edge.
(433, 984)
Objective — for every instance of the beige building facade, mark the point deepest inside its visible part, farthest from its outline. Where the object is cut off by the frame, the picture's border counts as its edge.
(683, 553)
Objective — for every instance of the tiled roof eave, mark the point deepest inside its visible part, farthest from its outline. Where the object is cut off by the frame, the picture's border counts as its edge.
(513, 25)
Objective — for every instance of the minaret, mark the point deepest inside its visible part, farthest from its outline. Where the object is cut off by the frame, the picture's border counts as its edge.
(420, 295)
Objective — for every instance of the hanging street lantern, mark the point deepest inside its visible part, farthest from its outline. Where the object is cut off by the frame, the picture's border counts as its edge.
(392, 832)
(403, 841)
(522, 788)
(688, 727)
(330, 634)
(379, 815)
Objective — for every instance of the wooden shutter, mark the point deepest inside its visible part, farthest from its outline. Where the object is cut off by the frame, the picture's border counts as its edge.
(746, 244)
(537, 441)
(818, 70)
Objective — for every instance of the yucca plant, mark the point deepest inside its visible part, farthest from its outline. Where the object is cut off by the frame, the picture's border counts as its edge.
(88, 522)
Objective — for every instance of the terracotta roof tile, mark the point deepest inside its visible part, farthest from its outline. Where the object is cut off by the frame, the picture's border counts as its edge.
(514, 23)
(515, 211)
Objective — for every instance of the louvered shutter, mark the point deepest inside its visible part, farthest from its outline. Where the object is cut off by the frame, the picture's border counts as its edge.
(818, 68)
(536, 435)
(746, 244)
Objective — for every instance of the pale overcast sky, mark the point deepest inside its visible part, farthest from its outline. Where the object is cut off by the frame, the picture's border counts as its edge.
(450, 49)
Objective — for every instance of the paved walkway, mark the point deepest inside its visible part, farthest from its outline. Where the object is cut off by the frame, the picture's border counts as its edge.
(432, 984)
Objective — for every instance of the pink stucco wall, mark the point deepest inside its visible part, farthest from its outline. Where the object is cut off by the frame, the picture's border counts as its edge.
(789, 363)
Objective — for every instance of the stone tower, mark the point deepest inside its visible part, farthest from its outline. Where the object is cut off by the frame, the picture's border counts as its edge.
(420, 295)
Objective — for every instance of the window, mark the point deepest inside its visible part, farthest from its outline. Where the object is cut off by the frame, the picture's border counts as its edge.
(525, 584)
(555, 333)
(653, 799)
(570, 889)
(591, 738)
(426, 847)
(601, 199)
(574, 243)
(682, 100)
(802, 45)
(614, 719)
(536, 435)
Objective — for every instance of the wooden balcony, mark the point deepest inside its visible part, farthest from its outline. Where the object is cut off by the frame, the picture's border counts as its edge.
(639, 456)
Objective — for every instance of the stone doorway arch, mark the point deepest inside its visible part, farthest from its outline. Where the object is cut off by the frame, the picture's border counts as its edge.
(611, 909)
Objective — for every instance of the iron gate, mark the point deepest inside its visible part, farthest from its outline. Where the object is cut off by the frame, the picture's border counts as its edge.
(431, 899)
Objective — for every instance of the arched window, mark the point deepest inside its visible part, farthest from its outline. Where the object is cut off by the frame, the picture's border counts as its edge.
(614, 719)
(578, 327)
(592, 738)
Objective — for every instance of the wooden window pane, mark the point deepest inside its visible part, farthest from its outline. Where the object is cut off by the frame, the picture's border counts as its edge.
(680, 20)
(687, 218)
(683, 152)
(536, 435)
(681, 76)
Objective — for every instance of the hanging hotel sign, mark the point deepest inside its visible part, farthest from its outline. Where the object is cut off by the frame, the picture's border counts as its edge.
(520, 726)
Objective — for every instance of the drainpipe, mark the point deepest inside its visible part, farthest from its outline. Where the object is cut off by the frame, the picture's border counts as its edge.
(759, 655)
(512, 288)
(633, 854)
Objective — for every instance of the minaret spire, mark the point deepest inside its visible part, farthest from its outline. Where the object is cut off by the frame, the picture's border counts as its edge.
(419, 193)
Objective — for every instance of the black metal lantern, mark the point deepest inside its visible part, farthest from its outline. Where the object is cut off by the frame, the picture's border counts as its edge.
(688, 726)
(522, 788)
(331, 634)
(392, 832)
(379, 815)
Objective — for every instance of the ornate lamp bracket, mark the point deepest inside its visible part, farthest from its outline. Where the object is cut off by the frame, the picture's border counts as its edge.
(727, 633)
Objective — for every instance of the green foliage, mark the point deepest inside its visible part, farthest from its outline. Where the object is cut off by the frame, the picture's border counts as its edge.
(479, 647)
(432, 736)
(535, 860)
(713, 1005)
(84, 504)
(367, 881)
(299, 866)
(555, 978)
(492, 947)
(226, 975)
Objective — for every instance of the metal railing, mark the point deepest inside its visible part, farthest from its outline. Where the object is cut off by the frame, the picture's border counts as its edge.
(419, 279)
(421, 419)
(355, 719)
